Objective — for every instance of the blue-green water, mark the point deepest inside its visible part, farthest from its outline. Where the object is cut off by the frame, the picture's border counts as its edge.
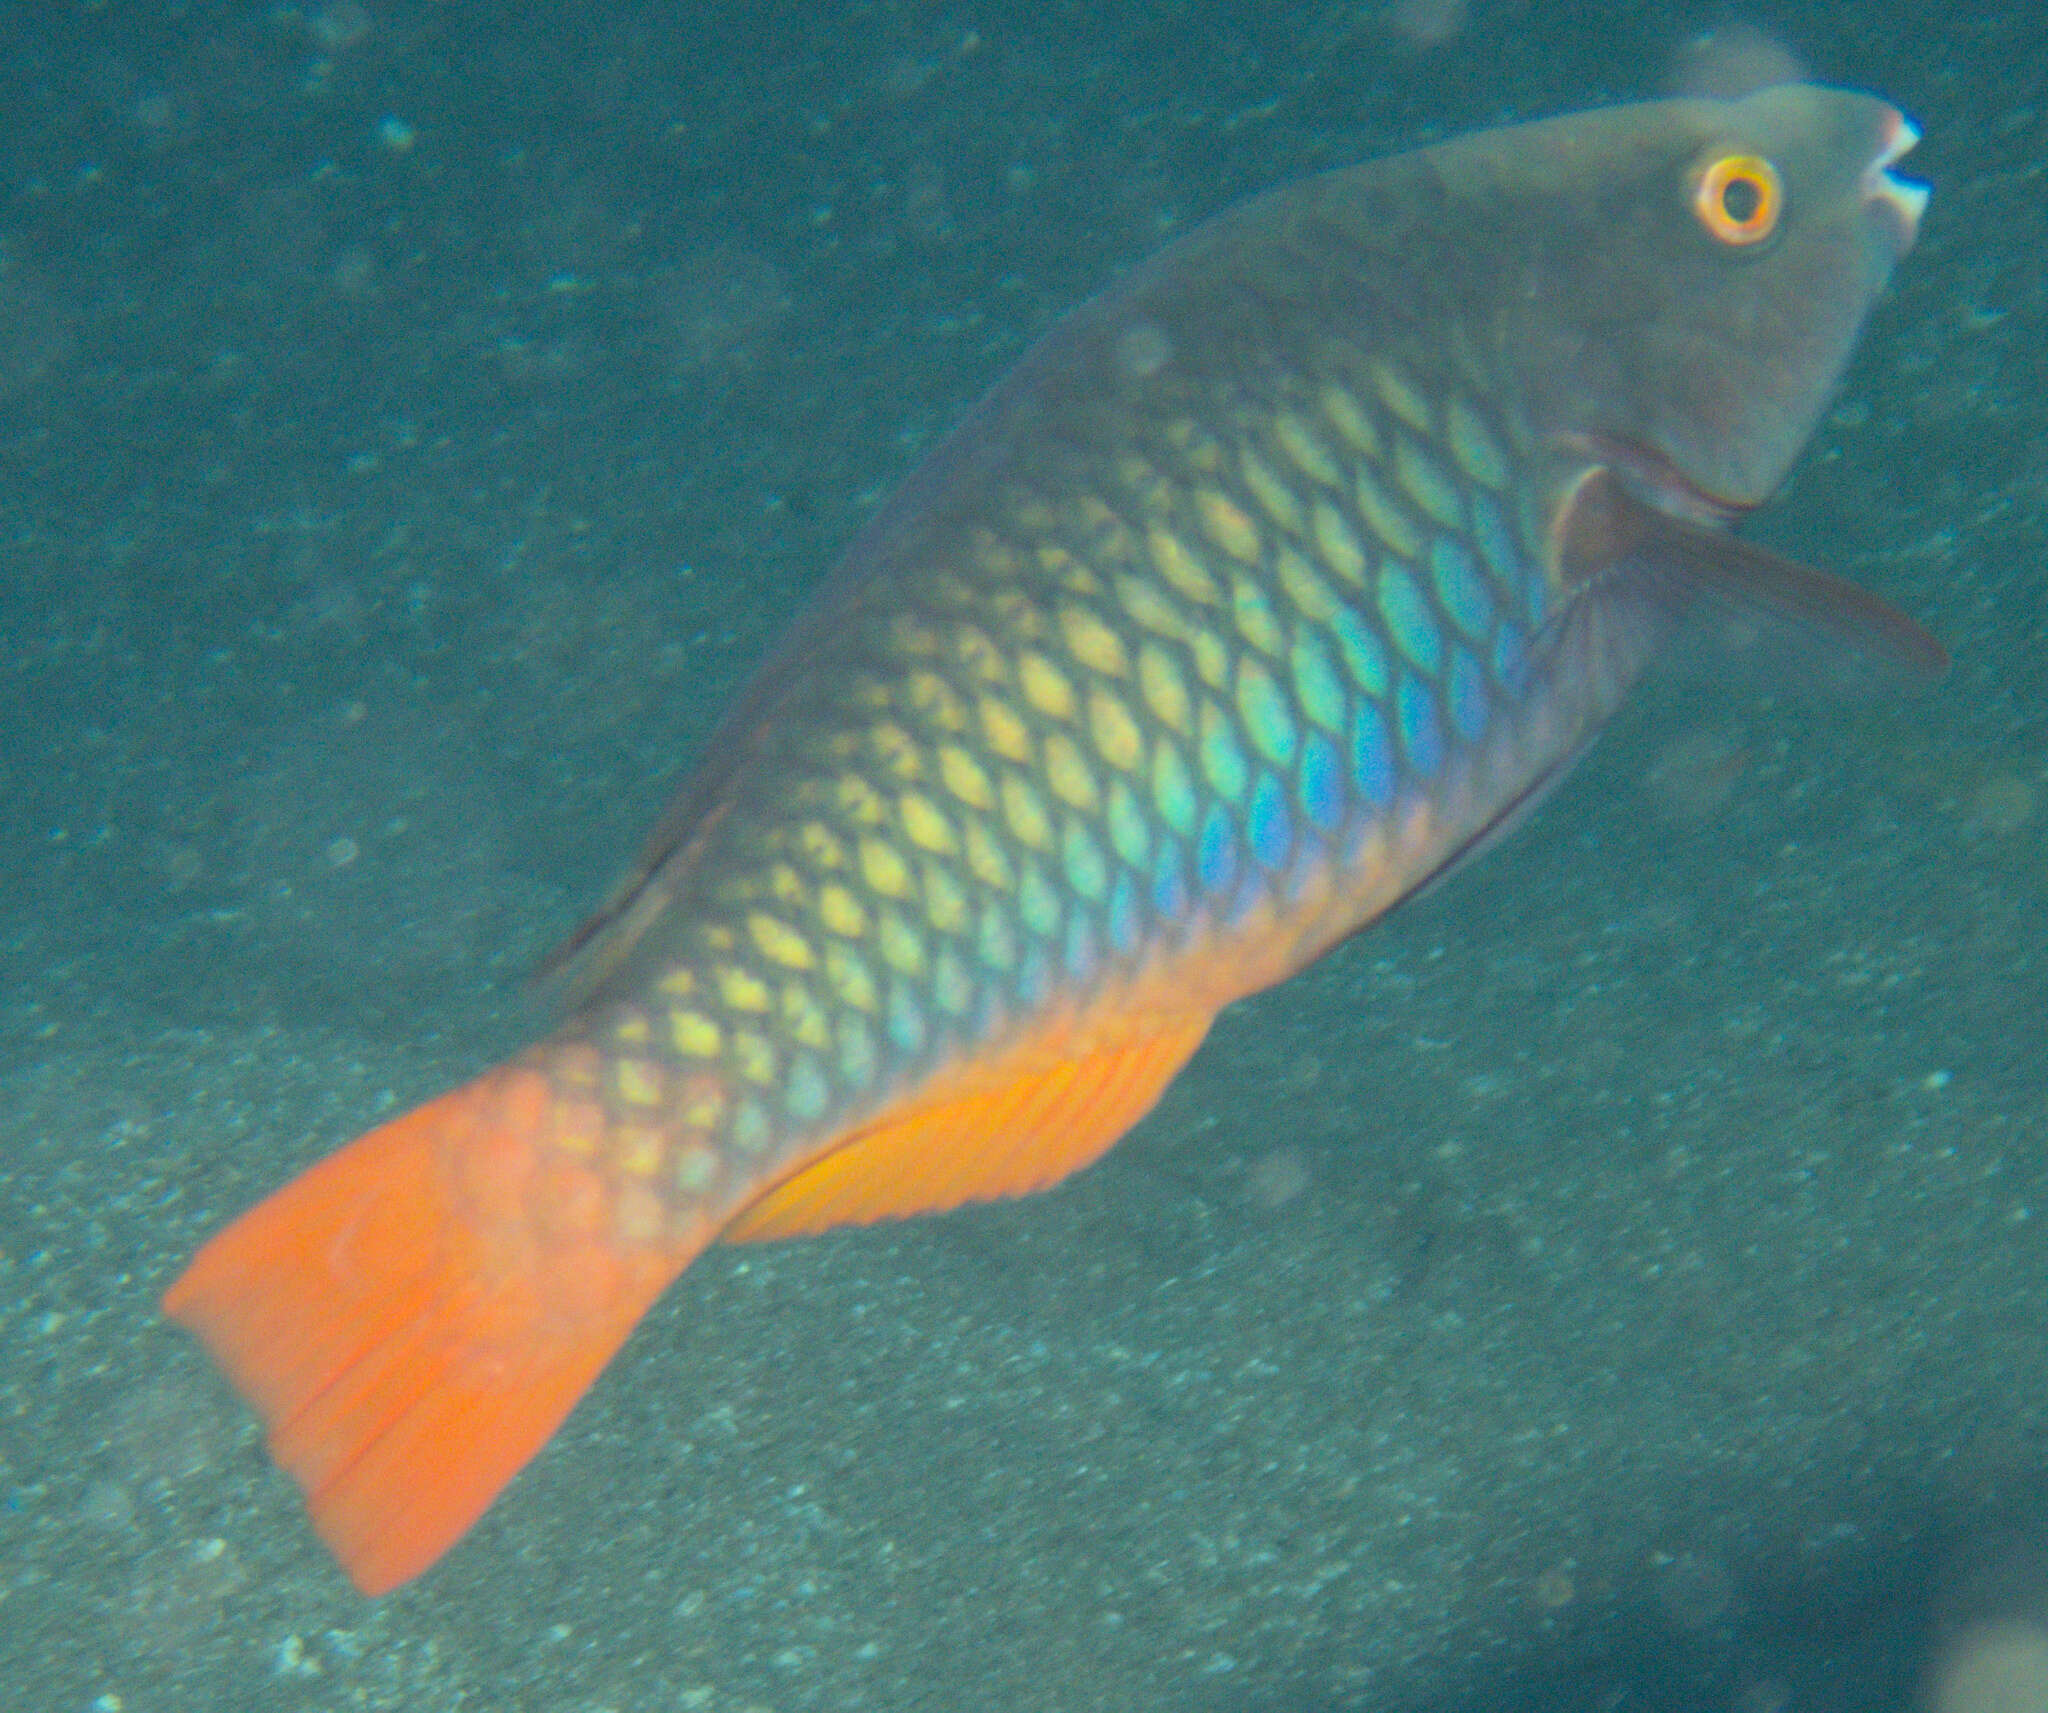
(1614, 1283)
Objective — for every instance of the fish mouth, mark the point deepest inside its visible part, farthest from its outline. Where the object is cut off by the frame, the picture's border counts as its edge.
(1652, 477)
(1899, 202)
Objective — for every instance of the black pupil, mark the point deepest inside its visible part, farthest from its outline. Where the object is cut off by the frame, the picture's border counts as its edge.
(1741, 200)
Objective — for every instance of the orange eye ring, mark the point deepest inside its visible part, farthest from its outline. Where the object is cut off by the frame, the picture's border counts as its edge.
(1739, 199)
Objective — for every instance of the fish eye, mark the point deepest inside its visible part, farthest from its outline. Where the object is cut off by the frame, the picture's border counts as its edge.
(1739, 199)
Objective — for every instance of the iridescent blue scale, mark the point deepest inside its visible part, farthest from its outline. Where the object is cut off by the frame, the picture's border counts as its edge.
(1535, 601)
(1459, 586)
(1508, 655)
(1216, 852)
(805, 1092)
(1268, 823)
(1169, 885)
(1322, 784)
(1496, 544)
(905, 1020)
(1468, 695)
(1372, 755)
(1416, 719)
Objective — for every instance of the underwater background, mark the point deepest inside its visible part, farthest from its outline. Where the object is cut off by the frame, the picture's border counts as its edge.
(1615, 1282)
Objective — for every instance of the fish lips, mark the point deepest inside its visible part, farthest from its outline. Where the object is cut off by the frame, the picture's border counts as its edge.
(1897, 202)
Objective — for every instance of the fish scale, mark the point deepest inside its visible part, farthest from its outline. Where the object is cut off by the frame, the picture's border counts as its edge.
(1113, 709)
(1281, 578)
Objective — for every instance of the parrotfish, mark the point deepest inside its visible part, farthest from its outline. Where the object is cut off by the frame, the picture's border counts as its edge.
(1269, 586)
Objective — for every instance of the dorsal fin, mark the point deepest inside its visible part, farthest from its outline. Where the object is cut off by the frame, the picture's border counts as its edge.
(600, 942)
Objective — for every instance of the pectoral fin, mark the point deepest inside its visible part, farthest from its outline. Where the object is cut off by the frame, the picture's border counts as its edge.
(1605, 532)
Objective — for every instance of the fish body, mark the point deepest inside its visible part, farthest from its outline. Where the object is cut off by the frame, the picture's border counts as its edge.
(1269, 586)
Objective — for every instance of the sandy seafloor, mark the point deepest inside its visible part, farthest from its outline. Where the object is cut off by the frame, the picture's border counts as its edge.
(1615, 1283)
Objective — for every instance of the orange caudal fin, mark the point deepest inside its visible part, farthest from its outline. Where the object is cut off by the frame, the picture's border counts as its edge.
(414, 1316)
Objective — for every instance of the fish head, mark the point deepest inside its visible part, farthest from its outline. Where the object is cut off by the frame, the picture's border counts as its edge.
(1690, 280)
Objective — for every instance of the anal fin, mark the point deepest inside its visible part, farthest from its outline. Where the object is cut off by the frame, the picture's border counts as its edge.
(1015, 1124)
